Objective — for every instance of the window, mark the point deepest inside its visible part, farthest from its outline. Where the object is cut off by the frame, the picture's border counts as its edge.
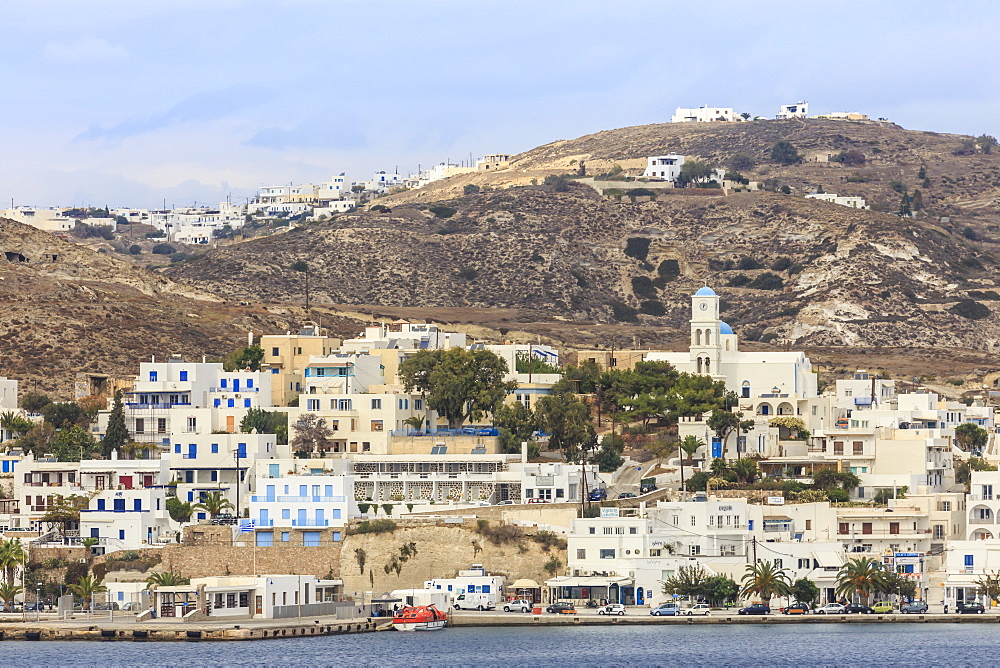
(152, 376)
(274, 352)
(843, 528)
(264, 539)
(312, 404)
(284, 537)
(376, 404)
(214, 476)
(809, 525)
(192, 424)
(676, 520)
(344, 404)
(859, 447)
(140, 425)
(310, 538)
(838, 447)
(777, 563)
(607, 554)
(654, 553)
(184, 376)
(969, 561)
(633, 530)
(376, 425)
(215, 448)
(938, 531)
(987, 492)
(177, 447)
(161, 425)
(560, 493)
(593, 530)
(848, 393)
(581, 554)
(694, 522)
(286, 514)
(945, 506)
(805, 563)
(694, 550)
(418, 404)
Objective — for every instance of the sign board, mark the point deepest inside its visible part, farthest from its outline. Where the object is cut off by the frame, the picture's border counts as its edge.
(609, 512)
(776, 500)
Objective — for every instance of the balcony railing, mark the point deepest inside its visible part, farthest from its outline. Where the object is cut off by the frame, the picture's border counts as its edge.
(859, 535)
(310, 523)
(981, 520)
(298, 499)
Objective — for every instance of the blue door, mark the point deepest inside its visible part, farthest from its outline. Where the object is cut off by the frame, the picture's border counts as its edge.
(272, 470)
(320, 518)
(119, 505)
(264, 519)
(236, 384)
(716, 447)
(302, 518)
(192, 450)
(270, 493)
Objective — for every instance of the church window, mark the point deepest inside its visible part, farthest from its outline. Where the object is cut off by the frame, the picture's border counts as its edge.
(708, 364)
(697, 337)
(708, 337)
(745, 389)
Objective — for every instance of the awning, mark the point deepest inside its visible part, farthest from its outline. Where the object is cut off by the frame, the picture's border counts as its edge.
(524, 583)
(587, 581)
(386, 597)
(828, 559)
(777, 518)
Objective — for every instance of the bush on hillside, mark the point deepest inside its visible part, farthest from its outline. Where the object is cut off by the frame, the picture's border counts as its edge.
(637, 247)
(164, 249)
(972, 310)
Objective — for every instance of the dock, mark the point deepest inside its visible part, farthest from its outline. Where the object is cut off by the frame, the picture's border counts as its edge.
(470, 618)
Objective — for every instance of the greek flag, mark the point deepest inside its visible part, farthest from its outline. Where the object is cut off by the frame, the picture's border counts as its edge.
(247, 527)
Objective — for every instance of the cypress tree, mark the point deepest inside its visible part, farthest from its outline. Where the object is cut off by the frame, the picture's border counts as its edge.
(117, 434)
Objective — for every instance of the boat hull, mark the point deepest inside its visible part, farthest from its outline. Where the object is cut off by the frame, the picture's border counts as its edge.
(435, 625)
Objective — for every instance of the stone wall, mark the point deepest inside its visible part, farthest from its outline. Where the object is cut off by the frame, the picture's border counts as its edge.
(197, 561)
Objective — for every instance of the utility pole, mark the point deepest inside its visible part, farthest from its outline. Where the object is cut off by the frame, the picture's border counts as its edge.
(755, 549)
(236, 456)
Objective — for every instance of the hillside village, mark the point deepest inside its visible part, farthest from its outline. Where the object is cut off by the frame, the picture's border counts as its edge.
(304, 461)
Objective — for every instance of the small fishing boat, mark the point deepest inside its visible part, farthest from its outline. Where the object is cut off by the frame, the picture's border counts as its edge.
(420, 618)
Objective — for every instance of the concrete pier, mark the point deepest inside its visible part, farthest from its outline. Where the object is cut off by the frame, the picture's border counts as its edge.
(471, 618)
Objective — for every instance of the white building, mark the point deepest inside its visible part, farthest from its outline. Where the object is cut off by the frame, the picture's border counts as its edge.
(128, 519)
(493, 162)
(302, 501)
(50, 219)
(8, 394)
(842, 200)
(798, 110)
(471, 581)
(245, 597)
(703, 115)
(665, 167)
(404, 335)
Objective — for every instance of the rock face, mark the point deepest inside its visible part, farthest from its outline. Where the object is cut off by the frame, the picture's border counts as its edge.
(66, 309)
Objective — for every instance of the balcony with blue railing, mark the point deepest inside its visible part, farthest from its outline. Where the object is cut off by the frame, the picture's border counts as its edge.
(157, 405)
(464, 431)
(310, 523)
(298, 499)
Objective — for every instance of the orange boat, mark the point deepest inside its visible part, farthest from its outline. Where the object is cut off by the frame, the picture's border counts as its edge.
(420, 618)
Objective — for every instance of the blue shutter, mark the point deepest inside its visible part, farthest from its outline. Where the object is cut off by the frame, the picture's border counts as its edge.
(100, 504)
(184, 376)
(969, 560)
(272, 470)
(246, 403)
(302, 521)
(119, 505)
(137, 504)
(241, 450)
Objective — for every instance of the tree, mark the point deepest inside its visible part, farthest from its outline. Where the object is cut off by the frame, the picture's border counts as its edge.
(986, 143)
(12, 556)
(248, 358)
(38, 440)
(963, 470)
(851, 158)
(784, 153)
(64, 414)
(180, 511)
(690, 445)
(459, 384)
(860, 577)
(917, 202)
(266, 422)
(687, 581)
(66, 510)
(904, 205)
(828, 478)
(73, 443)
(989, 584)
(85, 588)
(805, 591)
(765, 579)
(724, 423)
(695, 394)
(302, 267)
(311, 435)
(790, 427)
(515, 424)
(695, 171)
(609, 456)
(18, 426)
(8, 592)
(166, 579)
(213, 503)
(34, 402)
(566, 420)
(164, 249)
(720, 590)
(117, 434)
(746, 470)
(971, 437)
(470, 189)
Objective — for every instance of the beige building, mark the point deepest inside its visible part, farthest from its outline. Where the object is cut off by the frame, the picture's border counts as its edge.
(286, 356)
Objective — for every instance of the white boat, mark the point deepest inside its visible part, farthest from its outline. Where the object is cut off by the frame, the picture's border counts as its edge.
(420, 618)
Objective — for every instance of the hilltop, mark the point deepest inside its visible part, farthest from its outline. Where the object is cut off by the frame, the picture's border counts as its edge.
(66, 309)
(791, 270)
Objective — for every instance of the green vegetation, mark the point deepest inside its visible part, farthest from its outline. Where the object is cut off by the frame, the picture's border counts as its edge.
(971, 437)
(372, 526)
(266, 422)
(622, 312)
(765, 580)
(971, 310)
(643, 287)
(442, 211)
(637, 247)
(767, 281)
(652, 307)
(784, 153)
(180, 511)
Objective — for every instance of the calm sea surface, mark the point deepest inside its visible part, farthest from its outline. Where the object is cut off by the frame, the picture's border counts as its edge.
(799, 645)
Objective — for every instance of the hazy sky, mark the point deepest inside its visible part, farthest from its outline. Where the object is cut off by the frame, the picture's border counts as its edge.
(130, 102)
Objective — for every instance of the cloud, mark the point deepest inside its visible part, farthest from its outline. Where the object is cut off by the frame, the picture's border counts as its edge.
(85, 50)
(199, 108)
(338, 132)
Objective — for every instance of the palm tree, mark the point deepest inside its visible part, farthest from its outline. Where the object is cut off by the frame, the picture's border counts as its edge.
(746, 469)
(12, 555)
(85, 588)
(690, 445)
(167, 579)
(766, 579)
(89, 543)
(8, 590)
(213, 503)
(862, 577)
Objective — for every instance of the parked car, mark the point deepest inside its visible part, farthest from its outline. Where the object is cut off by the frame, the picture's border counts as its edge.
(626, 495)
(538, 501)
(918, 607)
(699, 609)
(666, 609)
(224, 518)
(831, 609)
(520, 605)
(858, 609)
(973, 608)
(797, 609)
(508, 502)
(756, 609)
(884, 607)
(31, 606)
(598, 494)
(561, 608)
(612, 609)
(647, 488)
(474, 602)
(106, 606)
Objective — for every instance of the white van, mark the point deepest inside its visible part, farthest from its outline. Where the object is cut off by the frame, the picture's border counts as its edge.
(474, 602)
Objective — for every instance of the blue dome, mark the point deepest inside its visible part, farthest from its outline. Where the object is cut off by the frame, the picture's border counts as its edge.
(724, 328)
(705, 292)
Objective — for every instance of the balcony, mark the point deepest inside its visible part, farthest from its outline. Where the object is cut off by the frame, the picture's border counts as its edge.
(310, 523)
(880, 533)
(979, 521)
(298, 499)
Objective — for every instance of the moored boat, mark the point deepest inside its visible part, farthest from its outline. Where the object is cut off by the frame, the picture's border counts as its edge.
(420, 618)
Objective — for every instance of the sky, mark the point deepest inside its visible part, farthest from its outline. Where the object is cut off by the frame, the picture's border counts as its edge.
(126, 103)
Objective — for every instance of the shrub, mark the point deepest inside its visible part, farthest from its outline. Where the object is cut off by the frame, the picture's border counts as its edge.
(135, 249)
(637, 247)
(640, 192)
(468, 273)
(972, 310)
(970, 234)
(738, 281)
(851, 158)
(741, 162)
(164, 249)
(668, 270)
(622, 312)
(549, 539)
(837, 495)
(767, 282)
(642, 286)
(652, 307)
(372, 526)
(747, 264)
(785, 190)
(784, 153)
(470, 189)
(501, 535)
(442, 211)
(767, 338)
(781, 264)
(156, 234)
(559, 183)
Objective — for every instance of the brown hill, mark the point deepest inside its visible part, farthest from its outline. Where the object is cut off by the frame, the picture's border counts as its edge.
(65, 309)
